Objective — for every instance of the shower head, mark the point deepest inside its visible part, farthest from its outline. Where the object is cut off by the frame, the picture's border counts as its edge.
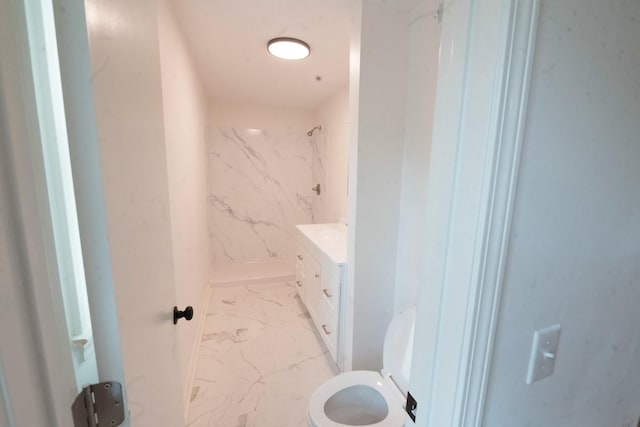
(310, 133)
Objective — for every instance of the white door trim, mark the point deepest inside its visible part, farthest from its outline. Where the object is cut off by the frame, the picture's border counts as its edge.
(35, 209)
(510, 105)
(39, 239)
(77, 85)
(483, 81)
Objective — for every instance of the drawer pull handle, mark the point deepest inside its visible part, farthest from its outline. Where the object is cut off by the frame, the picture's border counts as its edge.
(326, 292)
(324, 328)
(317, 275)
(299, 257)
(299, 283)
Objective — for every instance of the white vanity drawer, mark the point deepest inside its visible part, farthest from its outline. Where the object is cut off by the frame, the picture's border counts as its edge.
(308, 280)
(328, 328)
(329, 291)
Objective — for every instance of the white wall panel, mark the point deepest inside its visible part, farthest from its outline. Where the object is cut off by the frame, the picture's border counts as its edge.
(574, 256)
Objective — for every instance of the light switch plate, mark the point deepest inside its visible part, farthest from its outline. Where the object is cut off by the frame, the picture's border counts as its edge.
(543, 353)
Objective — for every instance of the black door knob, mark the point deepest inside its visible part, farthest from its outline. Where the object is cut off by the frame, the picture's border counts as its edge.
(187, 314)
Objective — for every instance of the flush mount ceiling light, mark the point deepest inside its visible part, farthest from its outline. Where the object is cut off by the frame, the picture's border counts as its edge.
(288, 48)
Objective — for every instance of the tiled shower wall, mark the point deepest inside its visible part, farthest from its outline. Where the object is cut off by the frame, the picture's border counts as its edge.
(331, 158)
(259, 188)
(319, 174)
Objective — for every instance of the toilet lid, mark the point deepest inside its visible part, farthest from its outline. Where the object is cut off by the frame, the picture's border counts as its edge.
(394, 400)
(398, 347)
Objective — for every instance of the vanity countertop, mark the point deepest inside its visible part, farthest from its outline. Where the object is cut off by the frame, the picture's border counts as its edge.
(330, 239)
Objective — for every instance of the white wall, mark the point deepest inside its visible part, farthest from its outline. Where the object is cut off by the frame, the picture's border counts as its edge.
(331, 158)
(574, 257)
(185, 112)
(125, 59)
(424, 43)
(380, 57)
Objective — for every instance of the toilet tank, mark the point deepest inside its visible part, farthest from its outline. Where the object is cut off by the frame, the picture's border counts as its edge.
(398, 346)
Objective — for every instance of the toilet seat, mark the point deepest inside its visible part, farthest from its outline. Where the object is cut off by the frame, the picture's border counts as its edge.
(383, 385)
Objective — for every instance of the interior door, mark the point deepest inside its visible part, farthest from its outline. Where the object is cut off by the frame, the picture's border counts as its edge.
(18, 349)
(110, 69)
(48, 350)
(144, 287)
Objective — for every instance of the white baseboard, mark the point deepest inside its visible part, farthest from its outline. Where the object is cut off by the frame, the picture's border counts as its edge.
(242, 273)
(254, 281)
(195, 352)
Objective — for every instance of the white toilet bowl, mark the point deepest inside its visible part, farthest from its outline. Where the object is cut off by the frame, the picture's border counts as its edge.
(370, 398)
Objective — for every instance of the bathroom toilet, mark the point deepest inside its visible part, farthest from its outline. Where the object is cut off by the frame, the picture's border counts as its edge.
(370, 398)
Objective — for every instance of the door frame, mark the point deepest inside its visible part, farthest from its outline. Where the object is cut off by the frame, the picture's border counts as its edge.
(35, 210)
(33, 205)
(487, 49)
(486, 53)
(77, 87)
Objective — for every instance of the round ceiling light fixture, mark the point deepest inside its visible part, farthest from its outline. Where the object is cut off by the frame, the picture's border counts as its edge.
(288, 48)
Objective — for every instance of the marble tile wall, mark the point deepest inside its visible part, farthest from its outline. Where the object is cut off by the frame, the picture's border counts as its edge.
(259, 188)
(319, 174)
(331, 158)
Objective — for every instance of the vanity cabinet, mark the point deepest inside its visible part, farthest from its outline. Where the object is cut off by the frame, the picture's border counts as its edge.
(320, 277)
(308, 273)
(328, 307)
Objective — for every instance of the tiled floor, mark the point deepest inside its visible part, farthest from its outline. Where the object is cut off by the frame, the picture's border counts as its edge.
(260, 359)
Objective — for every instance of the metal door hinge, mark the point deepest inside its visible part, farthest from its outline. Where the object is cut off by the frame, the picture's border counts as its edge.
(411, 407)
(99, 405)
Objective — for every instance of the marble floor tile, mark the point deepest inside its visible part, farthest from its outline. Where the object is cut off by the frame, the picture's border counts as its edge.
(260, 359)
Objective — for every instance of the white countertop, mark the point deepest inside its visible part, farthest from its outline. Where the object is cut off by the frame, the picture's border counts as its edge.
(331, 239)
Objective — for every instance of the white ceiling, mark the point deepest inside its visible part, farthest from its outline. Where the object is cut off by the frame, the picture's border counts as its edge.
(228, 41)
